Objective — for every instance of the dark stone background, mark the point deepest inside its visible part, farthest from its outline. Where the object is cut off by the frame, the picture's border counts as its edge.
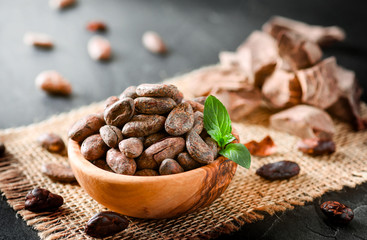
(195, 32)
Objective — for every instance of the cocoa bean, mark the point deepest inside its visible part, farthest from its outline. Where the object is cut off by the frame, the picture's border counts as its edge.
(180, 120)
(170, 166)
(150, 105)
(337, 212)
(143, 125)
(58, 172)
(198, 122)
(39, 40)
(154, 138)
(158, 90)
(93, 147)
(111, 135)
(119, 163)
(105, 224)
(146, 162)
(167, 148)
(51, 142)
(316, 147)
(60, 4)
(147, 172)
(153, 42)
(102, 164)
(99, 48)
(42, 200)
(96, 26)
(187, 162)
(129, 92)
(131, 147)
(120, 112)
(198, 149)
(212, 144)
(85, 127)
(200, 100)
(109, 101)
(178, 97)
(278, 170)
(195, 105)
(53, 83)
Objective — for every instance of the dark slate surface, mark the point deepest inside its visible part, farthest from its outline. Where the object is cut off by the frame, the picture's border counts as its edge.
(195, 31)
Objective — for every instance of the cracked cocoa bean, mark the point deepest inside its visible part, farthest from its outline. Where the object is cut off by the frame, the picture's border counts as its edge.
(198, 122)
(129, 92)
(158, 90)
(167, 148)
(212, 144)
(187, 162)
(111, 135)
(316, 147)
(2, 149)
(105, 224)
(120, 112)
(147, 172)
(102, 164)
(42, 200)
(119, 163)
(86, 127)
(51, 142)
(109, 101)
(150, 105)
(93, 147)
(337, 212)
(131, 147)
(154, 138)
(58, 172)
(170, 166)
(180, 120)
(198, 149)
(278, 170)
(143, 125)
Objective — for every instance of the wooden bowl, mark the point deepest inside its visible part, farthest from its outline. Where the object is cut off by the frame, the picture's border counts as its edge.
(152, 197)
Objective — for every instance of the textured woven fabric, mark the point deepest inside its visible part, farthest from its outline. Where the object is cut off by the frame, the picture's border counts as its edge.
(245, 200)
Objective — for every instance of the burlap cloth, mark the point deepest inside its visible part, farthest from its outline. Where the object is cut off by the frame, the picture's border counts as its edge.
(246, 200)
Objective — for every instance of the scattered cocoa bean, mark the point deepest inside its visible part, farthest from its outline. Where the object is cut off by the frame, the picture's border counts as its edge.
(150, 105)
(131, 147)
(337, 212)
(93, 147)
(198, 122)
(119, 112)
(196, 106)
(111, 135)
(53, 83)
(153, 42)
(58, 172)
(102, 164)
(147, 172)
(187, 162)
(105, 224)
(51, 142)
(167, 148)
(40, 40)
(146, 162)
(198, 149)
(119, 163)
(170, 166)
(129, 92)
(85, 127)
(42, 200)
(60, 4)
(154, 138)
(212, 144)
(96, 26)
(2, 149)
(315, 146)
(158, 90)
(278, 170)
(109, 101)
(99, 48)
(180, 120)
(143, 125)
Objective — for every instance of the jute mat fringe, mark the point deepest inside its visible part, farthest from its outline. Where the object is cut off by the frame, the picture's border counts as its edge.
(246, 200)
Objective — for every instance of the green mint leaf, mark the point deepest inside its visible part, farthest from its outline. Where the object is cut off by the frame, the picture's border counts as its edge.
(227, 138)
(238, 153)
(216, 120)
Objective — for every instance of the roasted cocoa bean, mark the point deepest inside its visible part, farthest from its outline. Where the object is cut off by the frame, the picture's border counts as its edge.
(146, 162)
(42, 200)
(143, 125)
(93, 147)
(167, 148)
(147, 172)
(178, 98)
(105, 224)
(53, 83)
(170, 166)
(131, 147)
(278, 170)
(150, 105)
(337, 212)
(120, 112)
(111, 135)
(200, 100)
(212, 144)
(2, 149)
(154, 138)
(187, 162)
(119, 163)
(153, 42)
(198, 122)
(59, 4)
(129, 92)
(109, 101)
(102, 164)
(58, 172)
(198, 149)
(85, 127)
(180, 120)
(51, 142)
(158, 90)
(96, 26)
(195, 105)
(315, 147)
(39, 40)
(99, 48)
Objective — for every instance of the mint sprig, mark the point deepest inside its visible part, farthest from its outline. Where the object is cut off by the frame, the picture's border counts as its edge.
(218, 125)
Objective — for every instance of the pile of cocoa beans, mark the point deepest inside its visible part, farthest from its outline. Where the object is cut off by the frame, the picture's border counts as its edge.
(148, 130)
